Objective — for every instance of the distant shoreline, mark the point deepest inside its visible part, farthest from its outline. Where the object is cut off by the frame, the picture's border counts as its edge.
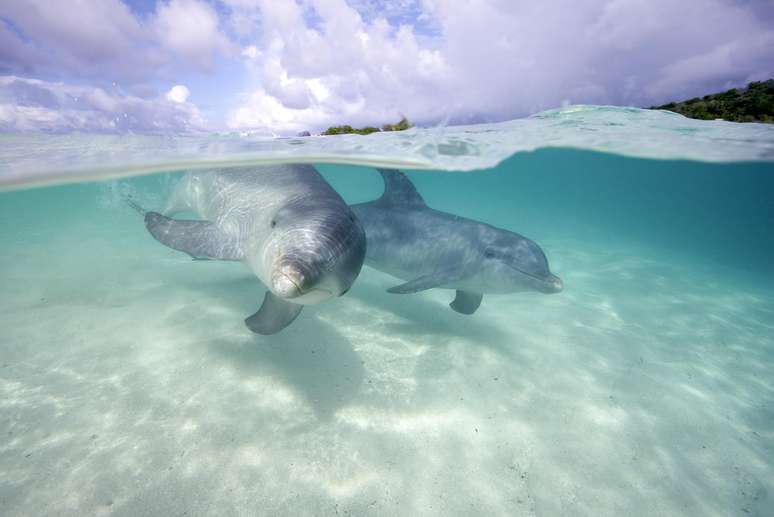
(402, 125)
(752, 104)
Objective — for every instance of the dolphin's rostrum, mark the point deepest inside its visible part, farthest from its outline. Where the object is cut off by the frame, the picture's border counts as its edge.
(284, 222)
(429, 249)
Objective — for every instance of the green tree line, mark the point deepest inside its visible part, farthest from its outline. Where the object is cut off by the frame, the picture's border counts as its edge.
(752, 104)
(346, 129)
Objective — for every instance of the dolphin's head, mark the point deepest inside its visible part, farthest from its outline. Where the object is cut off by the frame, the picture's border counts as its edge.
(316, 251)
(511, 262)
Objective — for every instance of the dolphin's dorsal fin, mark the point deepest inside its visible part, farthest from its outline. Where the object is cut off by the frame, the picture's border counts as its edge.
(398, 189)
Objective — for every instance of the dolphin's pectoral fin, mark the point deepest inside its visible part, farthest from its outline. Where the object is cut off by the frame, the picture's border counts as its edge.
(274, 315)
(424, 282)
(466, 302)
(200, 239)
(414, 286)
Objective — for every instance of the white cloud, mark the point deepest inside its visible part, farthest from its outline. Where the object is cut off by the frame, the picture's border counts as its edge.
(104, 39)
(347, 70)
(35, 105)
(87, 37)
(734, 59)
(251, 52)
(306, 64)
(263, 111)
(190, 29)
(178, 93)
(490, 59)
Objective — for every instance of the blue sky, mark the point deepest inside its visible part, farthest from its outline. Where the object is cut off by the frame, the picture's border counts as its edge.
(288, 65)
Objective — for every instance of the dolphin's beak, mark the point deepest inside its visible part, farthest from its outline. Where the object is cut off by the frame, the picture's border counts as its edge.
(285, 285)
(553, 284)
(290, 283)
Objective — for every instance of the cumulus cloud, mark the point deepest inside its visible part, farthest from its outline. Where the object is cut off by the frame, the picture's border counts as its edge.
(92, 35)
(105, 39)
(490, 59)
(345, 69)
(178, 93)
(35, 105)
(307, 64)
(189, 28)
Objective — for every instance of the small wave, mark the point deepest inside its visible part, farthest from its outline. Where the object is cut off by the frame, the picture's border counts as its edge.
(39, 159)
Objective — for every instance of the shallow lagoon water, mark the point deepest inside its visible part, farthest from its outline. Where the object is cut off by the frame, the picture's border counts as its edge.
(130, 385)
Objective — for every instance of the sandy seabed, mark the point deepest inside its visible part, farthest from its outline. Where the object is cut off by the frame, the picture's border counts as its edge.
(129, 385)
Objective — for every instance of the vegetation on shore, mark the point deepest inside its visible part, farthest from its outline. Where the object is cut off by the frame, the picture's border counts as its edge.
(346, 129)
(752, 104)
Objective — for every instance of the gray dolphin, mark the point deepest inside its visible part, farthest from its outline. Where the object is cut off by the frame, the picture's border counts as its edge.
(429, 248)
(284, 222)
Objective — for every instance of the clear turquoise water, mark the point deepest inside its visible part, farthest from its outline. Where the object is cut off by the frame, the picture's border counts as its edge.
(130, 386)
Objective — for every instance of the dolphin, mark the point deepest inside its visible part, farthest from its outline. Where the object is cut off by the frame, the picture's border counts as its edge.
(284, 222)
(428, 248)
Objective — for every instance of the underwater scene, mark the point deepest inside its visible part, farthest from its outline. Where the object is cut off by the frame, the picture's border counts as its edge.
(608, 349)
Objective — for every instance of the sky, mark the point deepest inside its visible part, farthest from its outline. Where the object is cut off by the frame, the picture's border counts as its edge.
(285, 66)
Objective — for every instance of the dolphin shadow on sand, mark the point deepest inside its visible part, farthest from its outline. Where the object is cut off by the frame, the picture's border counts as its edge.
(311, 358)
(422, 317)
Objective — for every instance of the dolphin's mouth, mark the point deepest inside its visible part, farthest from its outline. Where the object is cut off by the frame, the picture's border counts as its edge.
(313, 296)
(295, 285)
(550, 284)
(289, 288)
(285, 286)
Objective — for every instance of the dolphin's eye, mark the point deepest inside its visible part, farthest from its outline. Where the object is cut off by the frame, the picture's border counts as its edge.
(489, 253)
(273, 223)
